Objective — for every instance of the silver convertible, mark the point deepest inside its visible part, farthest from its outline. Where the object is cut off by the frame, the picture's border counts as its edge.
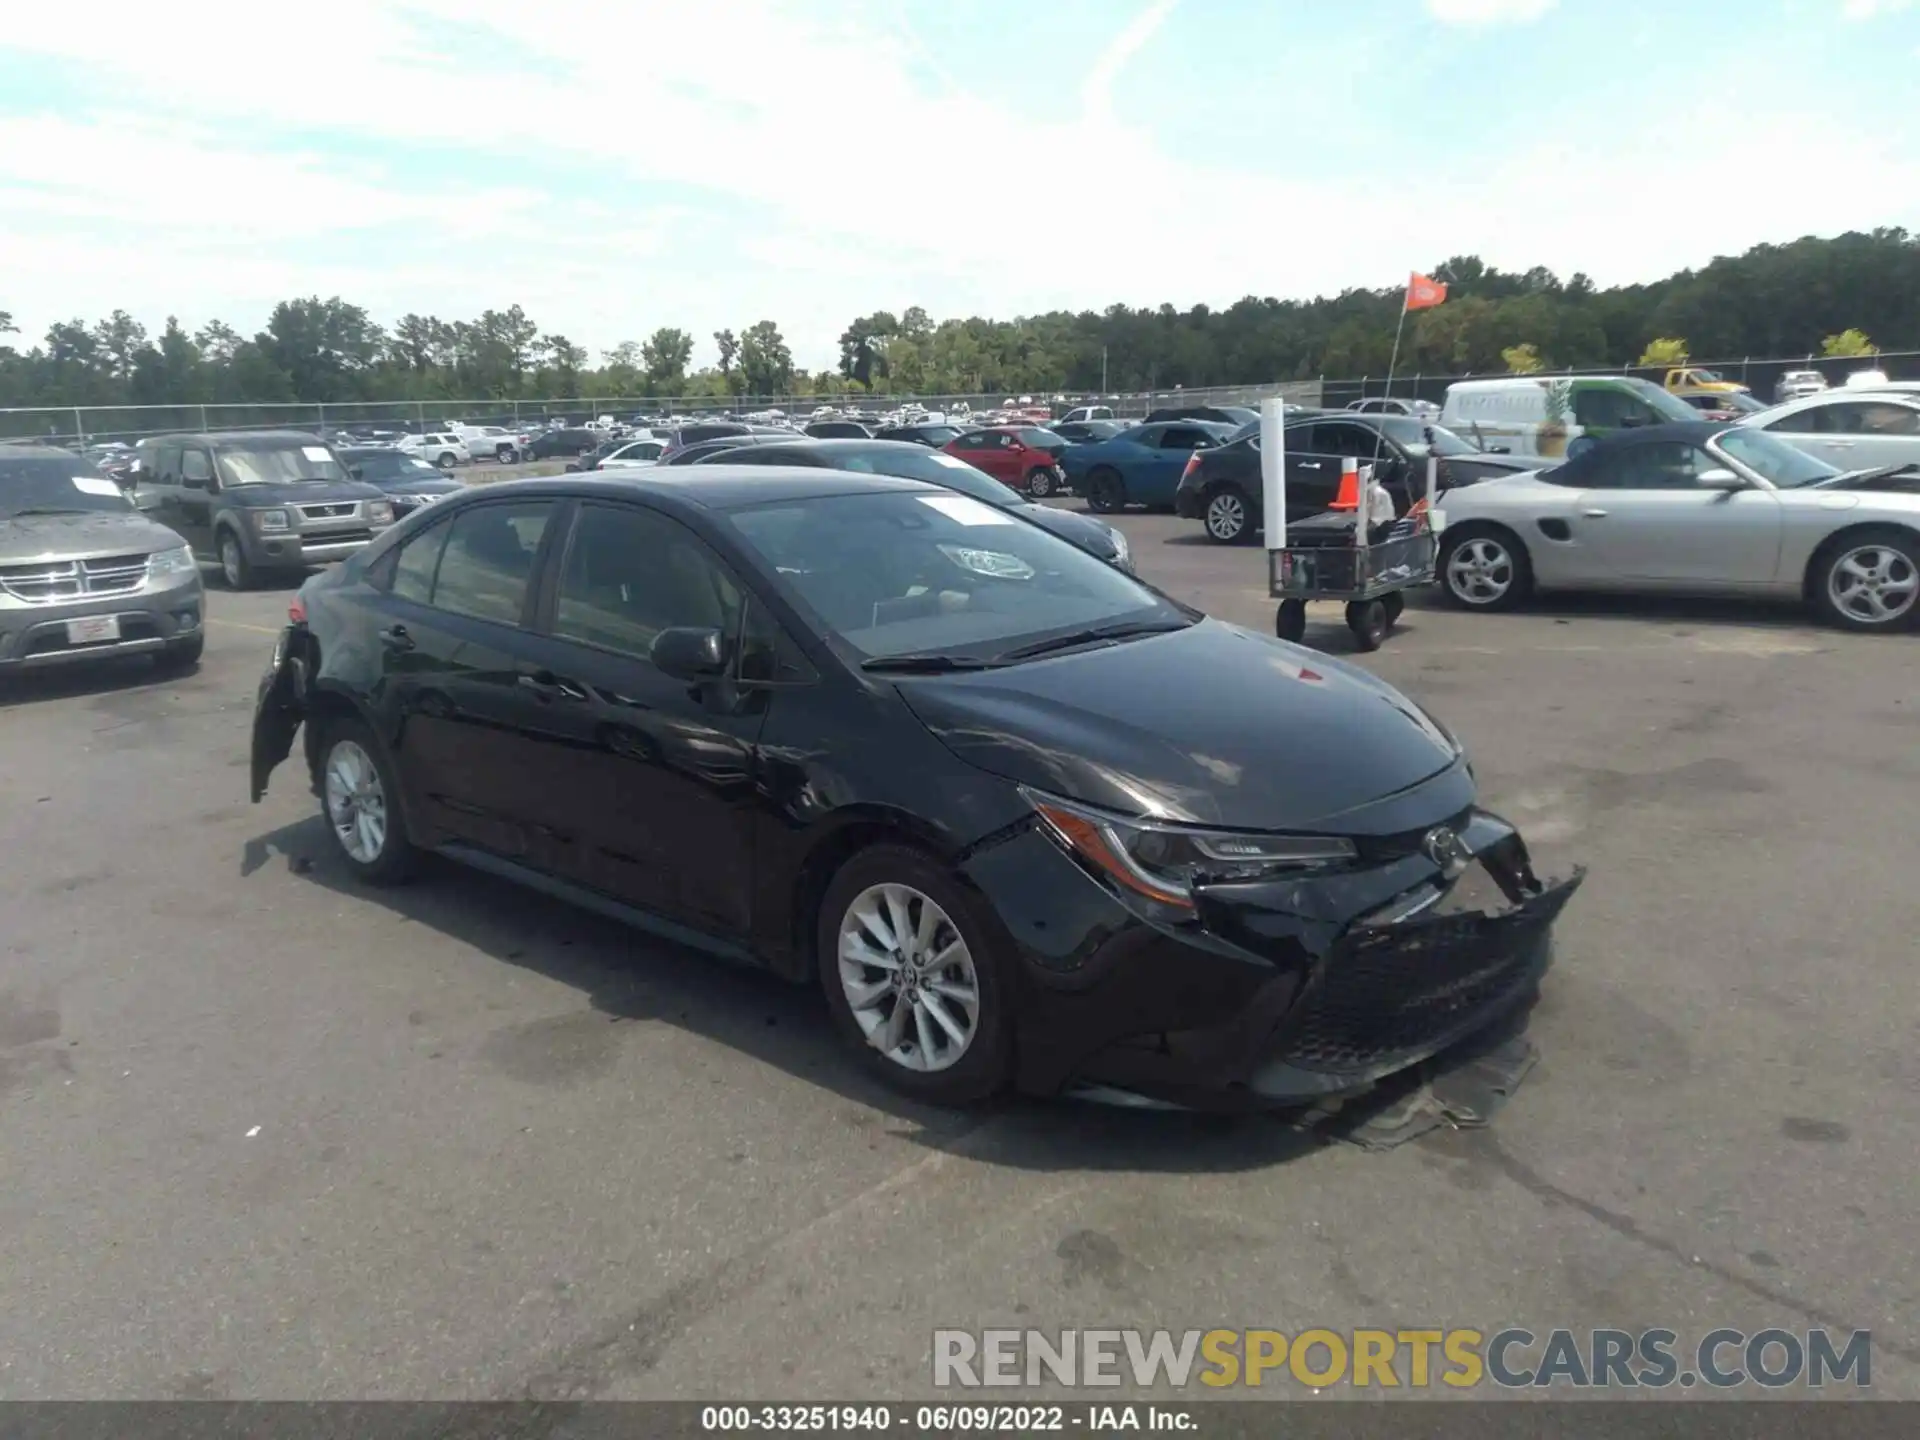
(1696, 507)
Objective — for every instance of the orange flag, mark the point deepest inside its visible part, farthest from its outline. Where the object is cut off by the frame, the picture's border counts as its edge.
(1424, 294)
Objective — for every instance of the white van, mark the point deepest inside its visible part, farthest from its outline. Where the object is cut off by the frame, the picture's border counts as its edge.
(1547, 415)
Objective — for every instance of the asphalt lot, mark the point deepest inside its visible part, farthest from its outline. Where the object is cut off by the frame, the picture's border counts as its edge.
(266, 1135)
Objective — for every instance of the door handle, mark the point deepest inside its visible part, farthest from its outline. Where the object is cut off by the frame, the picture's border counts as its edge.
(1594, 514)
(395, 637)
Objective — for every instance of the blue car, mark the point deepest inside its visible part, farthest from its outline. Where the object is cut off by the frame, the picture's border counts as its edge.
(1141, 466)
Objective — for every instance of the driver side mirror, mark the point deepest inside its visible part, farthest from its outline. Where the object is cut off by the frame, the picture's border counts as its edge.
(688, 652)
(1721, 479)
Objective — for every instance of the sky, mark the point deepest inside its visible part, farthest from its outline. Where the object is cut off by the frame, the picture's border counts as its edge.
(618, 165)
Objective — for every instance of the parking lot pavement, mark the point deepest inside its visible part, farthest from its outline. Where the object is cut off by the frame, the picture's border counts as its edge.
(266, 1134)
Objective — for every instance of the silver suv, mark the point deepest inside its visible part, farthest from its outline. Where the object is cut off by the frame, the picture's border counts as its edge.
(84, 574)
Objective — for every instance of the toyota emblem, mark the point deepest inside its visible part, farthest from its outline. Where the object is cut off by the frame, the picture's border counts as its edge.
(1445, 848)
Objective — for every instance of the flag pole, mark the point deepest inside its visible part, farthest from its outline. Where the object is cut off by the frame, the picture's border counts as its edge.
(1380, 431)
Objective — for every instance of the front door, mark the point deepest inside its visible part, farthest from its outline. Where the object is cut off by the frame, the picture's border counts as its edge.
(192, 506)
(652, 779)
(1656, 523)
(454, 642)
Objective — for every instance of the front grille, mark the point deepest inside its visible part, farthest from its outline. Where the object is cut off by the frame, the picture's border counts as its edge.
(336, 537)
(1404, 990)
(342, 511)
(50, 584)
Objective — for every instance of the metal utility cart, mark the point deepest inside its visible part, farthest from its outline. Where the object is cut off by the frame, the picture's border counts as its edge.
(1370, 576)
(1337, 555)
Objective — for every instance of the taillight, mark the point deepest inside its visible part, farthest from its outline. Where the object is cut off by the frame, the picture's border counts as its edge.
(297, 610)
(1193, 464)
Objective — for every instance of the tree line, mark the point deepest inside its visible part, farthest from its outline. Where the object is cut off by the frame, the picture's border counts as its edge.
(1811, 296)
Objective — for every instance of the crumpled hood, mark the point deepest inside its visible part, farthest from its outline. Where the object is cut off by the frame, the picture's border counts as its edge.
(81, 537)
(1209, 725)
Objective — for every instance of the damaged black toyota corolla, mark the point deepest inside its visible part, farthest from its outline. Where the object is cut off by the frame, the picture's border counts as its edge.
(1028, 821)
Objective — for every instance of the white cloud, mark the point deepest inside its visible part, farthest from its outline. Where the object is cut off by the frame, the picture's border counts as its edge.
(721, 200)
(1492, 12)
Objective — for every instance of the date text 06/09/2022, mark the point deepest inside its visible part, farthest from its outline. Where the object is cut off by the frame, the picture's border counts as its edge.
(947, 1419)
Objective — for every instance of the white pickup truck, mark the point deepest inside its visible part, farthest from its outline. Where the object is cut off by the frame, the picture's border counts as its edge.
(492, 442)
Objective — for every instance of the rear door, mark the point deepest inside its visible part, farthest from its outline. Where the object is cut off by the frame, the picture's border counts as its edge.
(1155, 482)
(1366, 445)
(453, 632)
(650, 780)
(1866, 434)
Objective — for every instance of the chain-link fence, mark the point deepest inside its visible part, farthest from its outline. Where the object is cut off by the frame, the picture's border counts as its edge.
(96, 424)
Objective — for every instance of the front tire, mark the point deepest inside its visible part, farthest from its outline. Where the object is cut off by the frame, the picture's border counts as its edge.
(181, 656)
(359, 800)
(235, 568)
(1106, 492)
(908, 961)
(1227, 518)
(1484, 567)
(1869, 580)
(505, 455)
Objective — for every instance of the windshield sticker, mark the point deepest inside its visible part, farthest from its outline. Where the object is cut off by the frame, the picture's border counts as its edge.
(94, 485)
(964, 510)
(319, 454)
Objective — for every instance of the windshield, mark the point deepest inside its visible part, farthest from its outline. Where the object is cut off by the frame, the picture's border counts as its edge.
(894, 574)
(1707, 377)
(1774, 460)
(935, 468)
(1745, 404)
(56, 485)
(1666, 406)
(278, 465)
(1042, 439)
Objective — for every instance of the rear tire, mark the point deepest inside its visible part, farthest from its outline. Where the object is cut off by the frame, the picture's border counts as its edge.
(1039, 484)
(506, 455)
(943, 921)
(360, 802)
(1868, 580)
(1367, 619)
(1290, 621)
(1228, 519)
(1106, 492)
(446, 460)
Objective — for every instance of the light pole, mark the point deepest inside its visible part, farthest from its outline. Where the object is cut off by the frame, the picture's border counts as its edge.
(1103, 370)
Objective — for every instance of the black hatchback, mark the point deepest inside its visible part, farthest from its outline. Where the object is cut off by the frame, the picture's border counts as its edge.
(1024, 819)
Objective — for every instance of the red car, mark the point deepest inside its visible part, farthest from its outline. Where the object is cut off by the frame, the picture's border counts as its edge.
(1023, 456)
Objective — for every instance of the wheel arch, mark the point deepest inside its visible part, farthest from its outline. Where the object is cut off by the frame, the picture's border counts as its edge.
(860, 829)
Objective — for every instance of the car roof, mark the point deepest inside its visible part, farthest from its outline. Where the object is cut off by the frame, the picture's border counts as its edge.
(845, 445)
(240, 437)
(712, 487)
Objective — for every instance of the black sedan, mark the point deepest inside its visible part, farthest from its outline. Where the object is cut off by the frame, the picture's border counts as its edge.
(1087, 432)
(1026, 821)
(408, 480)
(916, 462)
(1222, 487)
(553, 444)
(702, 450)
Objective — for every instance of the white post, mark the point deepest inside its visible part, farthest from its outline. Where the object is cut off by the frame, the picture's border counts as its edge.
(1273, 471)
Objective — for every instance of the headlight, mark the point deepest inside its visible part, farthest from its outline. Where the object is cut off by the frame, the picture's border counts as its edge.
(1163, 862)
(271, 520)
(163, 563)
(380, 512)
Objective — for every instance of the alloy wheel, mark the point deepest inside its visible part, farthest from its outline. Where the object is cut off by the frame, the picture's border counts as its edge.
(1226, 516)
(1480, 571)
(908, 978)
(1873, 584)
(356, 802)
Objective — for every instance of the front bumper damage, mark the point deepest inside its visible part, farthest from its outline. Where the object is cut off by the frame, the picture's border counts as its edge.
(1336, 994)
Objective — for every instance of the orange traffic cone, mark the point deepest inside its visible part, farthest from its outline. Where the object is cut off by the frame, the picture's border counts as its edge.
(1348, 496)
